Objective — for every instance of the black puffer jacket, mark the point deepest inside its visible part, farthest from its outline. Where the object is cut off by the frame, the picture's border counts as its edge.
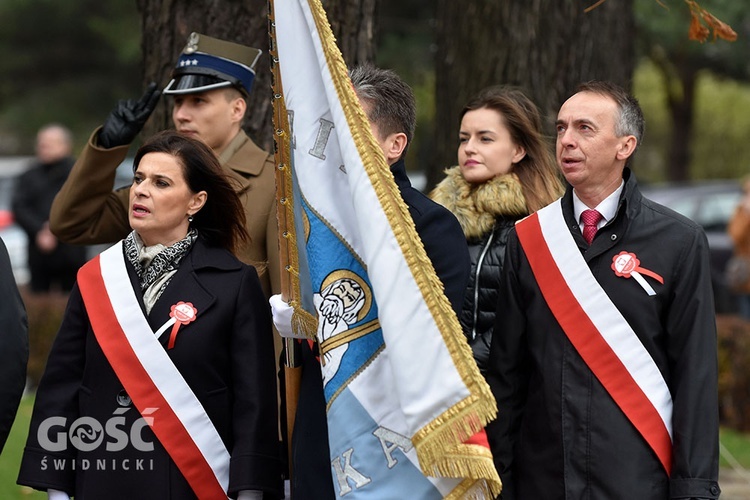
(478, 310)
(487, 212)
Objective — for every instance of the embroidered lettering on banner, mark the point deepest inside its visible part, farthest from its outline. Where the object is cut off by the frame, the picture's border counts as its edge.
(390, 441)
(324, 132)
(344, 472)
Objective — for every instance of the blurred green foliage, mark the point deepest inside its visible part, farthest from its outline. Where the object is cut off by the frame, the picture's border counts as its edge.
(66, 62)
(691, 90)
(407, 47)
(662, 32)
(738, 445)
(720, 146)
(10, 460)
(71, 61)
(722, 129)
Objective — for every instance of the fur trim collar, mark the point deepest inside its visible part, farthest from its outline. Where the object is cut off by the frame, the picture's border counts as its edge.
(477, 206)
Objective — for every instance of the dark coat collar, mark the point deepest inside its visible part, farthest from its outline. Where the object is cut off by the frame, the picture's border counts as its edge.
(630, 199)
(201, 256)
(398, 170)
(204, 256)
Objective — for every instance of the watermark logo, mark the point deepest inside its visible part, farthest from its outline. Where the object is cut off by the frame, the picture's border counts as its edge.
(88, 434)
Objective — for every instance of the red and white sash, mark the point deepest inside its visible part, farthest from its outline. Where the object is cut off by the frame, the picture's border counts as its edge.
(597, 329)
(150, 378)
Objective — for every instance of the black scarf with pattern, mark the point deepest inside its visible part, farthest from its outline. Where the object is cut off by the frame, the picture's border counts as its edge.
(167, 259)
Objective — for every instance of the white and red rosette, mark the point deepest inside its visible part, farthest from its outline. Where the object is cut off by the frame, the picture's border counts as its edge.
(627, 265)
(181, 313)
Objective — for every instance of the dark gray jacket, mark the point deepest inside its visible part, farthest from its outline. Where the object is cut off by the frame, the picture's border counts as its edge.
(559, 434)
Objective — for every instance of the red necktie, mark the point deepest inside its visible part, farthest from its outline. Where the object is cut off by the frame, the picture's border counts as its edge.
(590, 219)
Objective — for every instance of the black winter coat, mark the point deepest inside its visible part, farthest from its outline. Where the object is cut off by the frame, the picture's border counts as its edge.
(487, 213)
(559, 434)
(226, 357)
(14, 346)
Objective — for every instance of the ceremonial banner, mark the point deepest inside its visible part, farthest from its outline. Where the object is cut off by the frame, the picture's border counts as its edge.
(402, 390)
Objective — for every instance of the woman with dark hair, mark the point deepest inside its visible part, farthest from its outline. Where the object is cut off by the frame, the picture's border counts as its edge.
(161, 381)
(506, 171)
(222, 222)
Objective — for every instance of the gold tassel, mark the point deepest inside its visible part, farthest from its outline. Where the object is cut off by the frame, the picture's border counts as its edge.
(304, 323)
(448, 431)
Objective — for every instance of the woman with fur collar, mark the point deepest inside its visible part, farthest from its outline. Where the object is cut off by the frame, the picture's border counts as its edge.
(506, 171)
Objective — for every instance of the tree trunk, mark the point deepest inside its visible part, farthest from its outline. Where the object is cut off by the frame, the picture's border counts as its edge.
(545, 47)
(166, 25)
(354, 25)
(681, 112)
(680, 99)
(679, 74)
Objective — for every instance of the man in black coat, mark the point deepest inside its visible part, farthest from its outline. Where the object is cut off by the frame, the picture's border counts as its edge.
(51, 262)
(604, 358)
(391, 109)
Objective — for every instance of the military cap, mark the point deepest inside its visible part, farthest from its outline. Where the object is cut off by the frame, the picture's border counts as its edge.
(208, 63)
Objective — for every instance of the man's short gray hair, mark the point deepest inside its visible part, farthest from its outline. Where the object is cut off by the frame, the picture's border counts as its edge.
(391, 101)
(629, 120)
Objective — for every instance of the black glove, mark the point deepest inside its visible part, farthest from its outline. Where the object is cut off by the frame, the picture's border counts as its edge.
(127, 119)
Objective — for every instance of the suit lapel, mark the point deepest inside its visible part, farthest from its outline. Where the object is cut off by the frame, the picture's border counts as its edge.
(186, 286)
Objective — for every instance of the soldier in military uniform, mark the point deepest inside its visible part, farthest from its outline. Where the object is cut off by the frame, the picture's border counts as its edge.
(210, 85)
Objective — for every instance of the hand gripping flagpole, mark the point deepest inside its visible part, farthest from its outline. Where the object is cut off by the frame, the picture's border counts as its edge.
(440, 419)
(302, 321)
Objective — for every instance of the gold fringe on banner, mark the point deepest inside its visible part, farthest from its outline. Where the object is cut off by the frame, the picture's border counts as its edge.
(439, 444)
(303, 322)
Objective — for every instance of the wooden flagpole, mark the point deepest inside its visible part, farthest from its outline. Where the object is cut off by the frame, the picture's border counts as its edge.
(285, 217)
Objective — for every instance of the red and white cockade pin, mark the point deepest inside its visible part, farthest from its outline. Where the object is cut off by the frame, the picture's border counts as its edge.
(626, 265)
(181, 313)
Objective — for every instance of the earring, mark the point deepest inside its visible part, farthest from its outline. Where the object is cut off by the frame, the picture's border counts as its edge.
(190, 218)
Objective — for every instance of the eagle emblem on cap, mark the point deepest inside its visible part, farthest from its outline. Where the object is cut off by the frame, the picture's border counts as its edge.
(192, 43)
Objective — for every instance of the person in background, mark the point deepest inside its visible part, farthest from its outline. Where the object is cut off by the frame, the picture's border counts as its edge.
(52, 263)
(170, 333)
(739, 232)
(505, 171)
(603, 360)
(390, 107)
(14, 346)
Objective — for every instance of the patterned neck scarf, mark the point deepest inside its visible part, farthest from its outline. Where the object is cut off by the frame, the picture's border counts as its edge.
(155, 265)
